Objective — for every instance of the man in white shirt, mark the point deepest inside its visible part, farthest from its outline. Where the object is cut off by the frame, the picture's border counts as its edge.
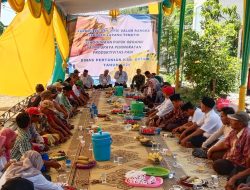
(210, 123)
(195, 116)
(121, 77)
(87, 80)
(222, 132)
(104, 80)
(164, 108)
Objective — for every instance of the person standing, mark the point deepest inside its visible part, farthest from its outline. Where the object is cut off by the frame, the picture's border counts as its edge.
(105, 80)
(139, 80)
(121, 77)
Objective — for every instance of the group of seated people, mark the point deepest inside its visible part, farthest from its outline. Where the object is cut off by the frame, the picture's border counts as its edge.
(44, 123)
(222, 137)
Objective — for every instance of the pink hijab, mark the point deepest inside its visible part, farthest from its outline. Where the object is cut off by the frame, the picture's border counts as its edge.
(10, 135)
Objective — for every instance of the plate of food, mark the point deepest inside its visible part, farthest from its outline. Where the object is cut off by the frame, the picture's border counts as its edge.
(135, 127)
(84, 162)
(155, 158)
(130, 121)
(102, 115)
(156, 171)
(59, 156)
(116, 111)
(150, 131)
(190, 181)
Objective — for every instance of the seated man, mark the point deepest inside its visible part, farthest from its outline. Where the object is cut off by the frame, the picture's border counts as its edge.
(221, 133)
(47, 95)
(163, 109)
(210, 123)
(195, 116)
(22, 143)
(37, 140)
(121, 77)
(176, 117)
(105, 80)
(23, 140)
(236, 161)
(217, 138)
(87, 80)
(47, 108)
(35, 100)
(138, 80)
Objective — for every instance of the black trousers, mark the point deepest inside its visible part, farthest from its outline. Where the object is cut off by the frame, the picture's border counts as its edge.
(118, 84)
(226, 167)
(102, 86)
(197, 141)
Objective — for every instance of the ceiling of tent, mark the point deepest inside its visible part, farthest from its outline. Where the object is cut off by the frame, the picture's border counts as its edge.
(86, 6)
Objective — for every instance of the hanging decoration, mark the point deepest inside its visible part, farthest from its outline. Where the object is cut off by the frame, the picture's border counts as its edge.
(35, 7)
(48, 9)
(17, 5)
(114, 13)
(169, 5)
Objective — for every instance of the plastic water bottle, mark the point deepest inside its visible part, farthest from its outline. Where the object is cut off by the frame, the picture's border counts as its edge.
(95, 110)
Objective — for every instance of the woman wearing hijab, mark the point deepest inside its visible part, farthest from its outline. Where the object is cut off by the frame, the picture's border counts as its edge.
(7, 140)
(29, 168)
(151, 91)
(10, 136)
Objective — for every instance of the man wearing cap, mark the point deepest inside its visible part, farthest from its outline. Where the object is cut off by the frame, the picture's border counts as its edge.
(121, 77)
(195, 116)
(138, 80)
(39, 144)
(104, 80)
(163, 109)
(176, 117)
(210, 123)
(236, 160)
(87, 80)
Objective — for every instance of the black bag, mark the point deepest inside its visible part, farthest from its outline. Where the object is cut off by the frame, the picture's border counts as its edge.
(199, 153)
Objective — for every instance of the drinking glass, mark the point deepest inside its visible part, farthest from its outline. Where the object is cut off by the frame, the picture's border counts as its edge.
(104, 178)
(120, 160)
(90, 147)
(82, 143)
(62, 178)
(215, 180)
(158, 147)
(115, 159)
(153, 146)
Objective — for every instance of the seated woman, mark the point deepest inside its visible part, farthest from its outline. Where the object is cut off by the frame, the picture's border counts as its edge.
(7, 140)
(150, 92)
(29, 168)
